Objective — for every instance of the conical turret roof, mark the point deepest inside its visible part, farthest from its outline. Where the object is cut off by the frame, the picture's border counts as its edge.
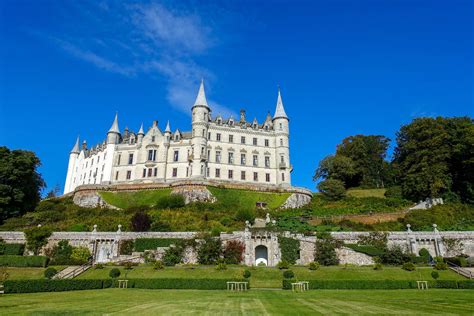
(201, 97)
(140, 131)
(76, 148)
(115, 128)
(168, 129)
(280, 110)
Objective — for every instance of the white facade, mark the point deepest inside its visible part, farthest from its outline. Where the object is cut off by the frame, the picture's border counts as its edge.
(218, 149)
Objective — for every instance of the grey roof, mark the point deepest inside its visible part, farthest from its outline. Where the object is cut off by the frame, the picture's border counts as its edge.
(115, 128)
(168, 129)
(140, 131)
(201, 97)
(280, 110)
(76, 149)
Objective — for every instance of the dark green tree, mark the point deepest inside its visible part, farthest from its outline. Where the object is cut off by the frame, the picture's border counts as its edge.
(335, 167)
(435, 157)
(20, 182)
(332, 189)
(325, 252)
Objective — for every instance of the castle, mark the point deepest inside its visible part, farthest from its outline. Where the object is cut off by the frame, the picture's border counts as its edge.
(217, 149)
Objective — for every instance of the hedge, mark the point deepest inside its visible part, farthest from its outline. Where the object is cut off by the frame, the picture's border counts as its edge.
(142, 244)
(168, 283)
(366, 249)
(31, 286)
(24, 261)
(13, 249)
(380, 284)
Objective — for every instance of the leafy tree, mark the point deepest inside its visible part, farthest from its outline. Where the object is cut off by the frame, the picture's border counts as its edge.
(141, 222)
(434, 157)
(20, 182)
(80, 254)
(335, 167)
(36, 238)
(377, 240)
(61, 253)
(233, 252)
(209, 251)
(54, 192)
(332, 189)
(326, 247)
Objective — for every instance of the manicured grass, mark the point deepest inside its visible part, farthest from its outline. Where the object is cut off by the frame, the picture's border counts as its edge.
(272, 277)
(28, 273)
(242, 199)
(253, 302)
(366, 193)
(137, 198)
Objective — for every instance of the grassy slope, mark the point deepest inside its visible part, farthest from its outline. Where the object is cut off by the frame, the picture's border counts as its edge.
(379, 193)
(272, 277)
(254, 302)
(247, 199)
(138, 198)
(28, 273)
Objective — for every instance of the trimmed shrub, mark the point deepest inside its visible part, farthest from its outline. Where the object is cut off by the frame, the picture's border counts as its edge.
(50, 272)
(441, 266)
(221, 266)
(395, 256)
(61, 253)
(378, 266)
(142, 244)
(435, 275)
(209, 251)
(11, 249)
(466, 284)
(128, 265)
(289, 249)
(36, 238)
(31, 286)
(114, 273)
(24, 261)
(168, 283)
(355, 284)
(313, 265)
(408, 266)
(366, 249)
(424, 252)
(126, 247)
(98, 266)
(158, 265)
(283, 265)
(233, 252)
(246, 274)
(459, 261)
(288, 274)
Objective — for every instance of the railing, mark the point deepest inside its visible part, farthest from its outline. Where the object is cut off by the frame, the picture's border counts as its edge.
(459, 270)
(81, 269)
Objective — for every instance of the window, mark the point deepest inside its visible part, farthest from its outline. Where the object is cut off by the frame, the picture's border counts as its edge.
(209, 135)
(203, 132)
(175, 172)
(155, 172)
(255, 141)
(255, 160)
(129, 175)
(130, 159)
(116, 175)
(150, 172)
(208, 172)
(144, 173)
(218, 137)
(242, 159)
(282, 159)
(176, 155)
(231, 123)
(98, 159)
(282, 176)
(255, 176)
(242, 139)
(118, 160)
(202, 151)
(218, 173)
(231, 174)
(152, 154)
(92, 162)
(281, 126)
(267, 162)
(231, 158)
(267, 143)
(281, 141)
(218, 156)
(242, 175)
(267, 177)
(219, 122)
(153, 139)
(231, 138)
(176, 138)
(187, 172)
(202, 170)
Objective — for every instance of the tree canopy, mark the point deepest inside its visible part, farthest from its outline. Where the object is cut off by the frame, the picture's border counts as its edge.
(20, 182)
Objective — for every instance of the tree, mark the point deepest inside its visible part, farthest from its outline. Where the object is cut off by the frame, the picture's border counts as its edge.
(326, 247)
(36, 238)
(435, 157)
(233, 252)
(332, 189)
(335, 167)
(209, 251)
(80, 254)
(54, 192)
(141, 222)
(20, 182)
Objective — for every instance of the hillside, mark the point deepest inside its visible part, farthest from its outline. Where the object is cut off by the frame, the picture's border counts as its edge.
(232, 209)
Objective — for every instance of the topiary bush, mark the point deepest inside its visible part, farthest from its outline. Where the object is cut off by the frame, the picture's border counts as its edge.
(288, 274)
(441, 266)
(408, 266)
(314, 265)
(435, 275)
(49, 273)
(289, 249)
(24, 261)
(378, 266)
(158, 265)
(283, 265)
(114, 273)
(98, 266)
(246, 274)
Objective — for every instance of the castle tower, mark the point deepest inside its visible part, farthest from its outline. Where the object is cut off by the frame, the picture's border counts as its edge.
(113, 135)
(200, 125)
(113, 138)
(140, 134)
(282, 147)
(167, 147)
(73, 157)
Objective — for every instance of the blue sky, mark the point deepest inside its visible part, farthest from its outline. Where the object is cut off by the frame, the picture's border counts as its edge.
(345, 67)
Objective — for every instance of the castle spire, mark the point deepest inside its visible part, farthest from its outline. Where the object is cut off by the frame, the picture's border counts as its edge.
(168, 129)
(201, 97)
(115, 128)
(75, 149)
(280, 110)
(140, 131)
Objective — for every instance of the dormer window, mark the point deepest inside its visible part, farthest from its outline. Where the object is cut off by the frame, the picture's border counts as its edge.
(231, 123)
(254, 126)
(176, 138)
(219, 122)
(153, 139)
(266, 127)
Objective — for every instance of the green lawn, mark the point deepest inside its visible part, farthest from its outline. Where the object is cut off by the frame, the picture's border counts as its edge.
(380, 193)
(272, 277)
(136, 198)
(28, 273)
(243, 199)
(254, 302)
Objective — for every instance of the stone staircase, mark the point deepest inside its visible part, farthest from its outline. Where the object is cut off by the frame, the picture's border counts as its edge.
(72, 271)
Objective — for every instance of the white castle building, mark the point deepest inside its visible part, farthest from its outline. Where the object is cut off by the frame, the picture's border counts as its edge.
(217, 149)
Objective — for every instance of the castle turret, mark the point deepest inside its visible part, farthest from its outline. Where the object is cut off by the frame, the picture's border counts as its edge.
(113, 135)
(73, 157)
(200, 124)
(282, 148)
(140, 134)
